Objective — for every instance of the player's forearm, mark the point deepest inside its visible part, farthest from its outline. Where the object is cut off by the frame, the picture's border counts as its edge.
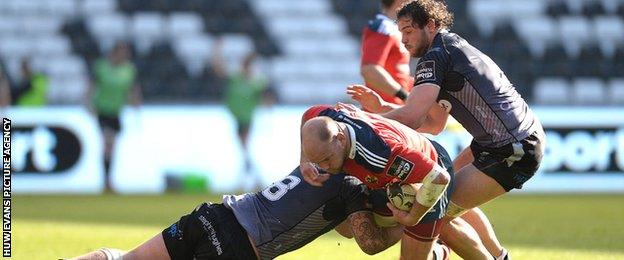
(403, 115)
(435, 121)
(433, 187)
(380, 80)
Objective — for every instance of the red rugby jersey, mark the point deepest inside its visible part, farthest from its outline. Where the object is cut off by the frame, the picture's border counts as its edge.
(382, 150)
(381, 45)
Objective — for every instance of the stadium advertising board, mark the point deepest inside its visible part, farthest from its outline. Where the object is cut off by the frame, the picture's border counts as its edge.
(55, 150)
(59, 149)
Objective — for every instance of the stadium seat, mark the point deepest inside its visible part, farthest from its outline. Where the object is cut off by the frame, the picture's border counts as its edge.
(41, 25)
(574, 31)
(576, 6)
(588, 91)
(193, 51)
(557, 8)
(67, 90)
(96, 7)
(63, 8)
(52, 46)
(20, 7)
(486, 13)
(146, 28)
(593, 8)
(525, 9)
(537, 33)
(16, 47)
(330, 26)
(68, 66)
(610, 33)
(611, 6)
(616, 91)
(551, 91)
(303, 8)
(340, 47)
(181, 24)
(9, 25)
(620, 10)
(108, 28)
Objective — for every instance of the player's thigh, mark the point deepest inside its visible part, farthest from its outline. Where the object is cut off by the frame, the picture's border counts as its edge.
(151, 249)
(474, 188)
(413, 249)
(464, 158)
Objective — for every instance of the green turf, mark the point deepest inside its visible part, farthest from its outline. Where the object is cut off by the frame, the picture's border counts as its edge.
(532, 227)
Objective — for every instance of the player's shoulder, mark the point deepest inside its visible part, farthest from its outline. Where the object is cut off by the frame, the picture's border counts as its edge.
(447, 42)
(382, 25)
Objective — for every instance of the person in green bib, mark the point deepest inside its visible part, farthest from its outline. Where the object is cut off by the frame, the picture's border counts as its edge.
(113, 86)
(31, 90)
(244, 92)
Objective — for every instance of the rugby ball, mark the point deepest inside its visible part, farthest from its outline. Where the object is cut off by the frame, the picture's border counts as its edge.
(402, 196)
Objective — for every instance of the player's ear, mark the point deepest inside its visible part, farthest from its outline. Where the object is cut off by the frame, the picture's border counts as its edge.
(431, 26)
(342, 138)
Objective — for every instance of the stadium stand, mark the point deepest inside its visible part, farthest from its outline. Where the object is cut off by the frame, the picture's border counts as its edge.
(310, 50)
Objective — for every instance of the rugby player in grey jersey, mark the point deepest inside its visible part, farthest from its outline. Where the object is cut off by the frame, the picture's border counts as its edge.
(453, 77)
(281, 218)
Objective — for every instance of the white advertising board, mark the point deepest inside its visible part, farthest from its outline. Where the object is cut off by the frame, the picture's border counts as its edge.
(60, 149)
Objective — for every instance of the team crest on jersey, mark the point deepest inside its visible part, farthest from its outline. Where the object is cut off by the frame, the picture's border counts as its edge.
(371, 179)
(425, 71)
(446, 105)
(400, 168)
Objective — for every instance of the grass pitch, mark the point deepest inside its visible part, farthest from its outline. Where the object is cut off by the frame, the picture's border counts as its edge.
(530, 226)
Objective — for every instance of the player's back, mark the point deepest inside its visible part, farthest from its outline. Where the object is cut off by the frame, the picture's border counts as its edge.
(291, 213)
(475, 91)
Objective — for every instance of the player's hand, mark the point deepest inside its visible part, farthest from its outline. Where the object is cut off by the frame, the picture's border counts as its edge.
(312, 175)
(403, 217)
(368, 99)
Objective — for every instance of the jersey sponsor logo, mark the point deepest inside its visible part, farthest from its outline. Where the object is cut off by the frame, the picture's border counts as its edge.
(426, 71)
(446, 105)
(400, 168)
(371, 179)
(207, 225)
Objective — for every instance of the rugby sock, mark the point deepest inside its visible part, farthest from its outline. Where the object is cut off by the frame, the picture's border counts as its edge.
(440, 252)
(504, 255)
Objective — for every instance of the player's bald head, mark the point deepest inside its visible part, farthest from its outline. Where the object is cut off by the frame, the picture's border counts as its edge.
(316, 133)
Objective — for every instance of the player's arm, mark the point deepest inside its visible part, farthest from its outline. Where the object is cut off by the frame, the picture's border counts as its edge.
(434, 185)
(375, 50)
(344, 229)
(435, 122)
(414, 112)
(379, 79)
(371, 238)
(430, 73)
(434, 178)
(369, 99)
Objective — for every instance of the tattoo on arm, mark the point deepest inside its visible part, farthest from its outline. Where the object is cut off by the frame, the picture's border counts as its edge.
(371, 238)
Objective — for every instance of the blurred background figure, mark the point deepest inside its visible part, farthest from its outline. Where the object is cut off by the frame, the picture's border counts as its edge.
(244, 92)
(113, 86)
(5, 89)
(385, 61)
(31, 89)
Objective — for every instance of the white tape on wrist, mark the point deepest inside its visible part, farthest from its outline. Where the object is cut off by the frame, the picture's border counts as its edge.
(430, 192)
(112, 253)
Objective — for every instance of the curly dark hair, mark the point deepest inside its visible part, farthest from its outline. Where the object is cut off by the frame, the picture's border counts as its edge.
(420, 11)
